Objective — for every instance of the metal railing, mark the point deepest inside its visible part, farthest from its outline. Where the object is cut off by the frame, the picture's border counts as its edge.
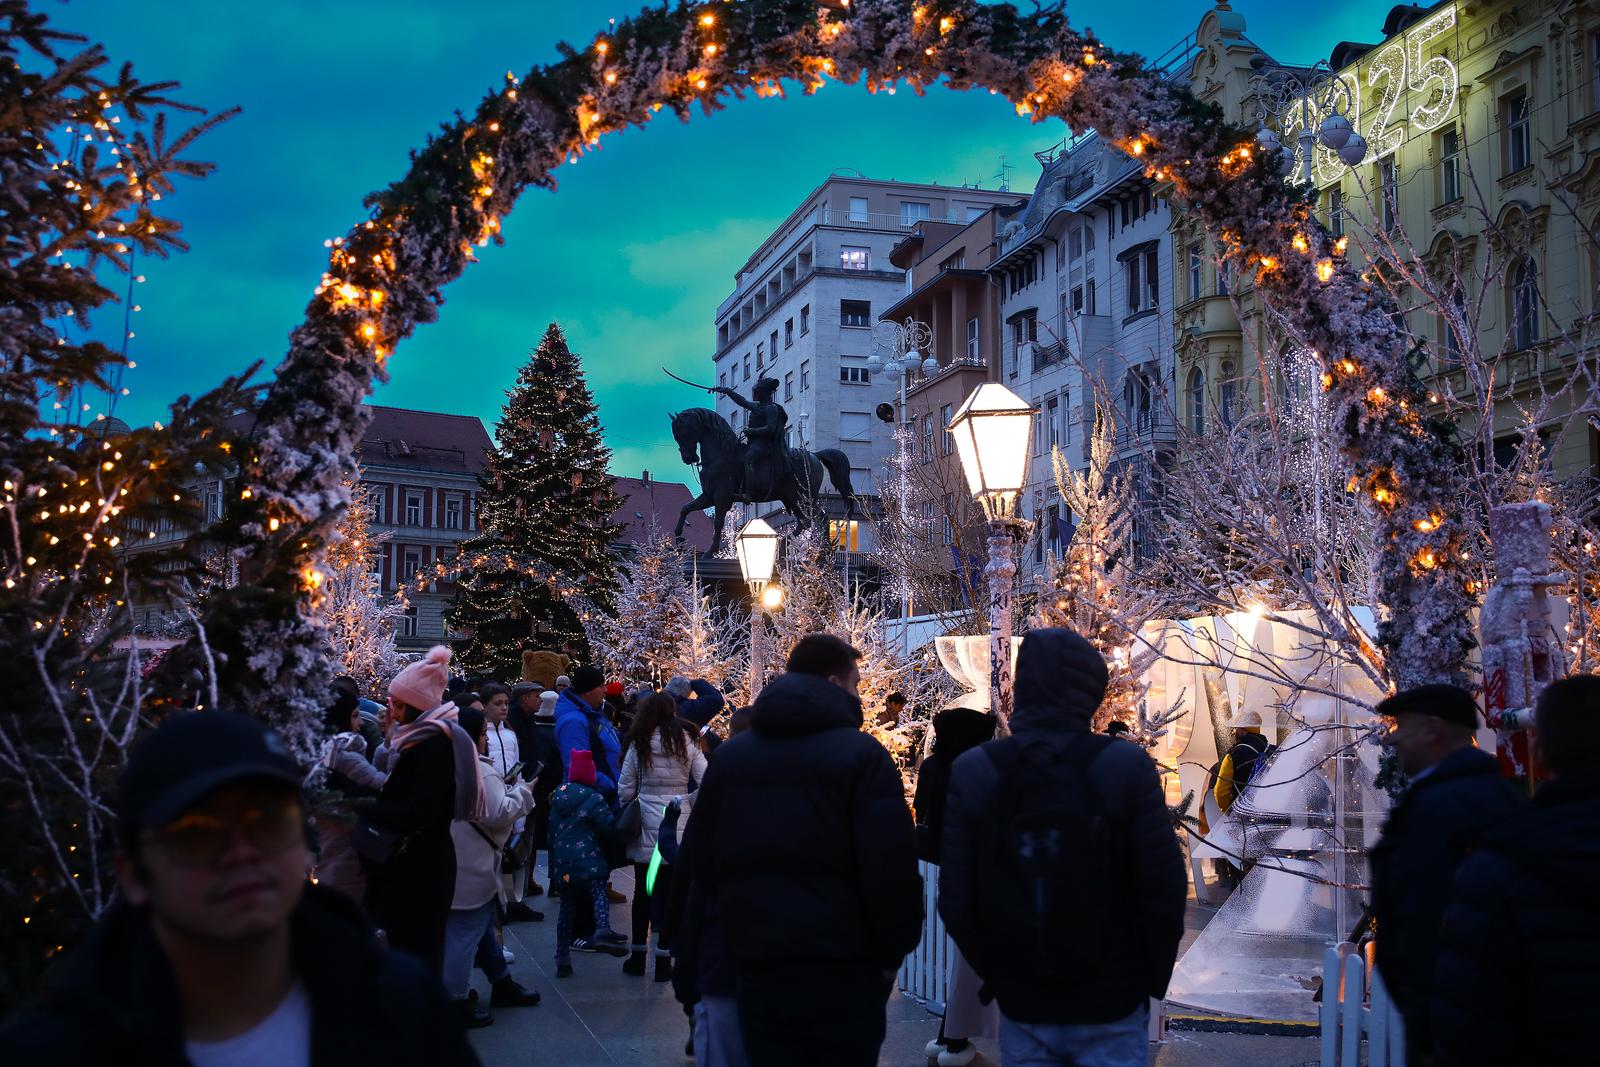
(880, 220)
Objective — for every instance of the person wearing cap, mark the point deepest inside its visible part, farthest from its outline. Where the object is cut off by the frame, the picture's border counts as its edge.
(1250, 747)
(1520, 942)
(1455, 794)
(580, 725)
(433, 780)
(218, 950)
(698, 701)
(562, 683)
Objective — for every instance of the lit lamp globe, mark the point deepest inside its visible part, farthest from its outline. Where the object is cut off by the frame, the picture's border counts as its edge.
(1335, 132)
(757, 548)
(992, 431)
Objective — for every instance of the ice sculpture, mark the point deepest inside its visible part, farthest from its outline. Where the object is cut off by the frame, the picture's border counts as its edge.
(1305, 821)
(966, 659)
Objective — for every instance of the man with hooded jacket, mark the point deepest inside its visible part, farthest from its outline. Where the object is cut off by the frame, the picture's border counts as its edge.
(1064, 1010)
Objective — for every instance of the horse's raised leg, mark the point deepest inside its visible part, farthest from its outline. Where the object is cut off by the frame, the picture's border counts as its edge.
(698, 503)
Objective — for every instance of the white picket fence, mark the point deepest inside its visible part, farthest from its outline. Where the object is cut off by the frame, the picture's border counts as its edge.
(1352, 1008)
(926, 971)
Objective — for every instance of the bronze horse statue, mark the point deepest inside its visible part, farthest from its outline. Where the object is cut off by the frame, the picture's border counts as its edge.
(706, 440)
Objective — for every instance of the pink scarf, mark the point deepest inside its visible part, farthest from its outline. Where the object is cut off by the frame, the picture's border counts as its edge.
(470, 801)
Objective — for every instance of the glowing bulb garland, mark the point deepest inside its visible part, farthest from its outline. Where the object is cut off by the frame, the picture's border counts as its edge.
(409, 249)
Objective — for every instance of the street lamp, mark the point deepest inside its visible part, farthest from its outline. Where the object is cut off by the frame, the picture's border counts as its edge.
(757, 548)
(1324, 101)
(992, 430)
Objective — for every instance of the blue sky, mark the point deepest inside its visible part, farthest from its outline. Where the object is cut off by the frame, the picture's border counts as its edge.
(632, 255)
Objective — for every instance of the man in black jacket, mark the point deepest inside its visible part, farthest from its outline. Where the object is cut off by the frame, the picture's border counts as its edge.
(1456, 793)
(220, 951)
(1084, 816)
(1519, 952)
(803, 838)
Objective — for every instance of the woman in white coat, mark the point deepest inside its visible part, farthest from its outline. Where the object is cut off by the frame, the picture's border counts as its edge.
(470, 929)
(663, 761)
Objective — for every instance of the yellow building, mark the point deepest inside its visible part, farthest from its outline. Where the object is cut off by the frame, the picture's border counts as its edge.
(1479, 189)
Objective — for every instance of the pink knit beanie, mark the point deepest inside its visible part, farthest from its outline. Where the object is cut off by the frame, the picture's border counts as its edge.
(421, 685)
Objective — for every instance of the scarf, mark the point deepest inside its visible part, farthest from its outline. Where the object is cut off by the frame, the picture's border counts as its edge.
(470, 801)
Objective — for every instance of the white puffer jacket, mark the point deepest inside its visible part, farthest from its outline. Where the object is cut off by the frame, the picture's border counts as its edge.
(477, 857)
(667, 777)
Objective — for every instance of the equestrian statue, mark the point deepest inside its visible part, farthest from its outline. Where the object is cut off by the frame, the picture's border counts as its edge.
(758, 469)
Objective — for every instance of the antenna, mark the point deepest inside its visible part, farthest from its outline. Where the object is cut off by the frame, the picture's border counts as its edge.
(1003, 176)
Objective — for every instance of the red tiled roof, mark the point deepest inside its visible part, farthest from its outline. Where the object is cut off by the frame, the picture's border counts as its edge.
(652, 503)
(422, 440)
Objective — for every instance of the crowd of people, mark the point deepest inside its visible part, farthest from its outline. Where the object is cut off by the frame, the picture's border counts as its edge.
(775, 873)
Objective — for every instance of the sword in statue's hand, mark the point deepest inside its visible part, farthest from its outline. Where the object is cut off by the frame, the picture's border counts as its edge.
(685, 381)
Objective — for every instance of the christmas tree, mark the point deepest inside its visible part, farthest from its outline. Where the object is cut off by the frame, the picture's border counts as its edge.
(357, 619)
(97, 514)
(1093, 591)
(644, 636)
(545, 507)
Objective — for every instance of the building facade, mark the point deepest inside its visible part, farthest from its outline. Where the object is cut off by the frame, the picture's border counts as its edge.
(803, 311)
(1477, 204)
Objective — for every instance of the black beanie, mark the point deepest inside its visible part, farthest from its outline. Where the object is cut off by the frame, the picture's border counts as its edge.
(1447, 703)
(586, 678)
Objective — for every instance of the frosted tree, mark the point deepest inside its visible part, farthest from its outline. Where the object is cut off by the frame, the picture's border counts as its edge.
(644, 635)
(716, 642)
(357, 618)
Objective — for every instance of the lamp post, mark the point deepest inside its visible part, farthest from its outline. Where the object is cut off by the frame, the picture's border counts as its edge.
(1324, 102)
(757, 548)
(908, 341)
(993, 429)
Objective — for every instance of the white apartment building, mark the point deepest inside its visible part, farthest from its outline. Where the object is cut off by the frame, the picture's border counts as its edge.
(1086, 298)
(803, 310)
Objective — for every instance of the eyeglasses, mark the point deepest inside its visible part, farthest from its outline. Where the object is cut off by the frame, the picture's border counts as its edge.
(201, 839)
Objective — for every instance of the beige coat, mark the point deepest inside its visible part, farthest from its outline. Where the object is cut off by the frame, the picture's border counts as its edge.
(477, 859)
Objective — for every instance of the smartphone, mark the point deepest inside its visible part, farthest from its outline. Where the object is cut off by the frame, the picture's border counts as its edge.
(514, 770)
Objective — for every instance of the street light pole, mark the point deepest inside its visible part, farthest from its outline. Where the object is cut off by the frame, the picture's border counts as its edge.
(757, 548)
(1324, 101)
(992, 431)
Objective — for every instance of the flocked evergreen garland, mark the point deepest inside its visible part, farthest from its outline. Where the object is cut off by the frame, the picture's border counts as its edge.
(386, 275)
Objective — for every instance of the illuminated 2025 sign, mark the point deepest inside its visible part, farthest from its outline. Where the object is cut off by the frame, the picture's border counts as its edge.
(1397, 74)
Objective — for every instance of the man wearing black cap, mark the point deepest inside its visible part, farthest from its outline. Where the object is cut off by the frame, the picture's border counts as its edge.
(219, 951)
(1455, 794)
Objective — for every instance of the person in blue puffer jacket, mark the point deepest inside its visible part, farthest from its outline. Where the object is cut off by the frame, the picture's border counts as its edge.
(579, 723)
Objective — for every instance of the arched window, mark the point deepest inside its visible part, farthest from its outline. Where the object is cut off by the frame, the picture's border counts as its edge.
(1227, 394)
(1197, 401)
(1525, 305)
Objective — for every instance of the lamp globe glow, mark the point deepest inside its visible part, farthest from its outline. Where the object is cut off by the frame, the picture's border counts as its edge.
(992, 431)
(1354, 150)
(1335, 132)
(757, 549)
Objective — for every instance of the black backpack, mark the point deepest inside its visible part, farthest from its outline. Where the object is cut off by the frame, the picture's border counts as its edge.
(1055, 872)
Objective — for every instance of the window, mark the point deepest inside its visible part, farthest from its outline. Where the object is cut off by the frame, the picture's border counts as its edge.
(413, 508)
(1152, 274)
(1144, 281)
(1389, 193)
(1525, 305)
(1066, 417)
(1514, 116)
(912, 212)
(853, 257)
(1052, 527)
(722, 379)
(1222, 279)
(761, 358)
(379, 501)
(772, 345)
(858, 209)
(410, 563)
(946, 524)
(855, 375)
(947, 441)
(855, 313)
(747, 366)
(975, 213)
(973, 343)
(1052, 422)
(1197, 401)
(1088, 297)
(788, 333)
(845, 534)
(1196, 258)
(406, 623)
(452, 512)
(1023, 330)
(805, 375)
(855, 425)
(955, 262)
(1449, 323)
(213, 506)
(1136, 398)
(1449, 165)
(1336, 211)
(805, 320)
(1227, 392)
(788, 386)
(927, 438)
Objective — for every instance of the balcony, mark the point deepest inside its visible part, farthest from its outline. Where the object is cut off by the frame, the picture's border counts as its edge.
(1070, 338)
(879, 220)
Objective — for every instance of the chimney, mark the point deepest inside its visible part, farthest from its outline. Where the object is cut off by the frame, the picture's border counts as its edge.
(646, 478)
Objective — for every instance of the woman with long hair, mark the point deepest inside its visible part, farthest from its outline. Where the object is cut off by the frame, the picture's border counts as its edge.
(663, 762)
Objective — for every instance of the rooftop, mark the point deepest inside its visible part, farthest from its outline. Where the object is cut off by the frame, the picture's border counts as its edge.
(650, 507)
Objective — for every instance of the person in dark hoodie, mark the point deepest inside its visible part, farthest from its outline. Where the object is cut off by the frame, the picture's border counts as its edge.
(1455, 794)
(1046, 833)
(698, 700)
(804, 840)
(955, 731)
(218, 950)
(1519, 947)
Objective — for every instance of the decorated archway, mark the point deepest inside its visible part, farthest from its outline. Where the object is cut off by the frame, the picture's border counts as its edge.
(386, 275)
